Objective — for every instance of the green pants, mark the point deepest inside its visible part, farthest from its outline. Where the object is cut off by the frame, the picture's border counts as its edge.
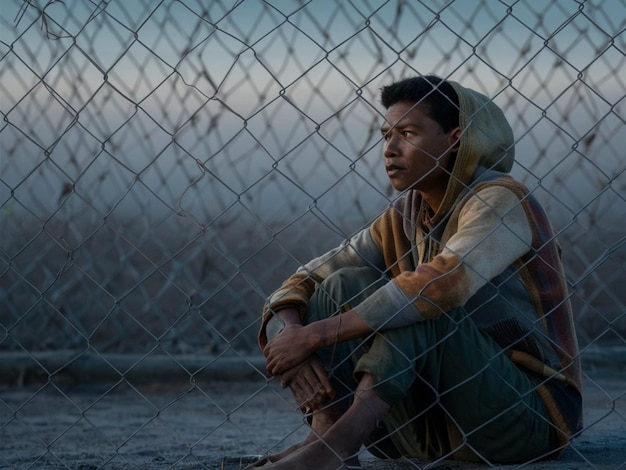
(453, 391)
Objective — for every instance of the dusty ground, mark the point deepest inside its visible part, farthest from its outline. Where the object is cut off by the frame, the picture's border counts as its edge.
(217, 425)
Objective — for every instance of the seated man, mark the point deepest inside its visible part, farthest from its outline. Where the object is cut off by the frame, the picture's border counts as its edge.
(444, 329)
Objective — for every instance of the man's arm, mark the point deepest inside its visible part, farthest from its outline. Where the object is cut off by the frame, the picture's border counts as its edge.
(493, 231)
(307, 377)
(296, 291)
(284, 310)
(296, 343)
(280, 319)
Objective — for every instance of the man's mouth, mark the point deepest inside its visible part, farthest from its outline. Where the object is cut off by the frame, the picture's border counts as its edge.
(393, 169)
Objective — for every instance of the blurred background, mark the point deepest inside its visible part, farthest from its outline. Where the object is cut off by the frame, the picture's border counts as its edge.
(165, 165)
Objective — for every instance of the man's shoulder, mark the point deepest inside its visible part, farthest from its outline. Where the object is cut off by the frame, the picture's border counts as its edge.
(499, 196)
(491, 179)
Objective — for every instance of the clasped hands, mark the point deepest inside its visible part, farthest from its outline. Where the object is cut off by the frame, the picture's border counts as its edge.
(291, 356)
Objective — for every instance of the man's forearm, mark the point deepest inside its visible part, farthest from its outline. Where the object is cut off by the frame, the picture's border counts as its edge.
(280, 319)
(338, 328)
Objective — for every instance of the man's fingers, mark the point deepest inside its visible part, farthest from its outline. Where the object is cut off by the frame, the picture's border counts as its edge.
(302, 393)
(322, 378)
(309, 384)
(269, 367)
(287, 376)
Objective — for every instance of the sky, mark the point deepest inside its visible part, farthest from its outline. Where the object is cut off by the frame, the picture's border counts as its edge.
(260, 95)
(152, 153)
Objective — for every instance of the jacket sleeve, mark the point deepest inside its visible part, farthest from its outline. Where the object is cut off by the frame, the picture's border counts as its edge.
(492, 232)
(296, 291)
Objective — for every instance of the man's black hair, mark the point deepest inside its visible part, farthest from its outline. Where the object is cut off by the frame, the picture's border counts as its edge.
(438, 95)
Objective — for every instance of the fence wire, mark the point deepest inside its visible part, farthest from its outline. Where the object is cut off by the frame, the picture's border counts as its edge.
(165, 165)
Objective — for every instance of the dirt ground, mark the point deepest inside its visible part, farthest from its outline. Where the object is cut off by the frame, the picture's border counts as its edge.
(223, 425)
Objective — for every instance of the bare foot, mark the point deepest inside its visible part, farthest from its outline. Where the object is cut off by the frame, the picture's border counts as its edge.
(322, 421)
(315, 456)
(339, 446)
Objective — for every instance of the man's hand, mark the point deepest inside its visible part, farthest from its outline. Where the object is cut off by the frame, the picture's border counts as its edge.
(309, 384)
(287, 350)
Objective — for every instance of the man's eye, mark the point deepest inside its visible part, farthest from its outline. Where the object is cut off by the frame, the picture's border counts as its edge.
(406, 134)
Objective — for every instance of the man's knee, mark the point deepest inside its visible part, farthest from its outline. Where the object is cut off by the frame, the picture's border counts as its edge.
(347, 287)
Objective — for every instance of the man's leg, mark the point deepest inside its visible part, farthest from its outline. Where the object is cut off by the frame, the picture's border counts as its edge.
(453, 390)
(338, 293)
(346, 287)
(339, 446)
(456, 394)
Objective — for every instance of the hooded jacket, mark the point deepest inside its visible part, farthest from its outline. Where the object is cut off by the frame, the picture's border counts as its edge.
(488, 249)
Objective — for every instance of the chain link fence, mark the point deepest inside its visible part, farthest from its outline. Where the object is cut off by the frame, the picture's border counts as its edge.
(165, 165)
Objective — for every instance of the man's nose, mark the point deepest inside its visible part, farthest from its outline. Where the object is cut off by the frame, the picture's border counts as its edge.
(391, 147)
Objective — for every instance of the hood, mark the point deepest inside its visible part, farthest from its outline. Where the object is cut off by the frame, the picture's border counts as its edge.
(486, 142)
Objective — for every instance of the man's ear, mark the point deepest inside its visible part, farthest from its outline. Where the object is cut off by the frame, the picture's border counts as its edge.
(455, 139)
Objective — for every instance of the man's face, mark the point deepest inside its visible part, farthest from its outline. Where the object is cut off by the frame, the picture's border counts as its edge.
(417, 150)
